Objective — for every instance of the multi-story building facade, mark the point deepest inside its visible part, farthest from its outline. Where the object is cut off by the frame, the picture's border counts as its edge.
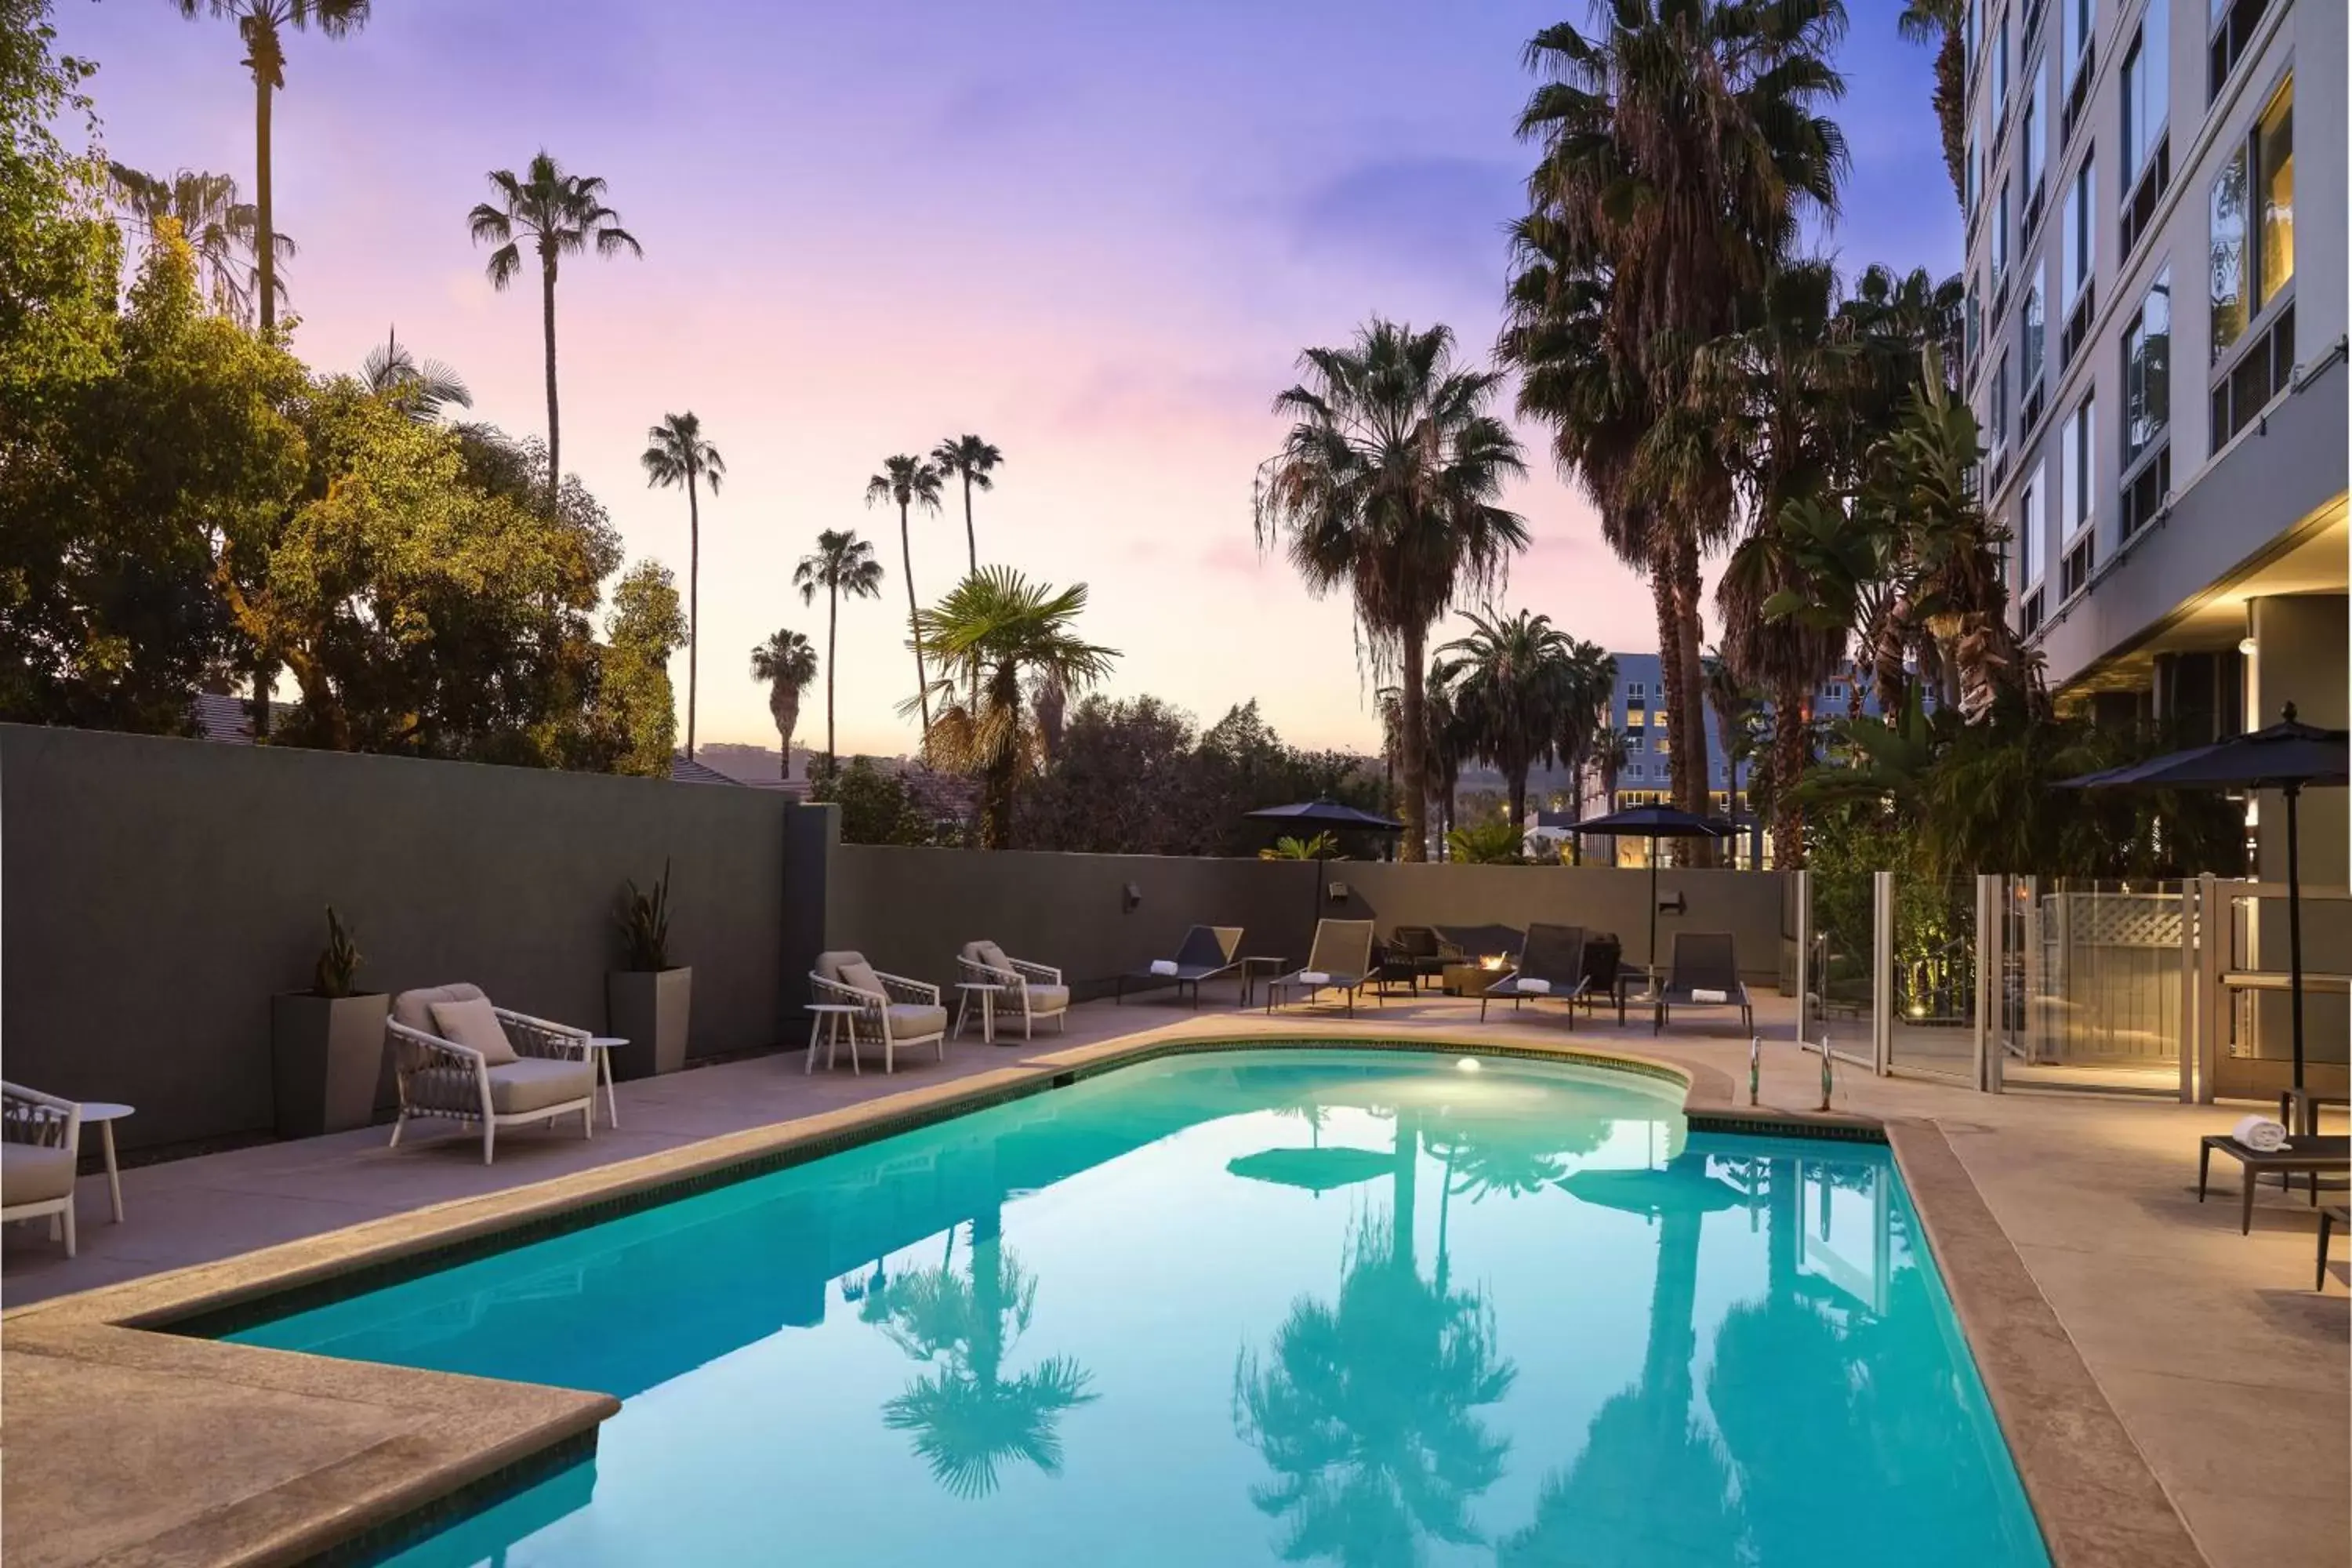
(2156, 348)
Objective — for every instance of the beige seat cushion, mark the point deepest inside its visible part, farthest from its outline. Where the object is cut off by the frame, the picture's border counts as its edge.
(1047, 998)
(990, 954)
(415, 1008)
(34, 1173)
(525, 1084)
(474, 1023)
(858, 975)
(914, 1020)
(828, 964)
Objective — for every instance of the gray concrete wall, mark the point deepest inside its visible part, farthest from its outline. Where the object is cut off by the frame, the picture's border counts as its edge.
(909, 910)
(154, 893)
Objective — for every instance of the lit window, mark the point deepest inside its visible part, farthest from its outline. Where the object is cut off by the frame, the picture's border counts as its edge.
(2147, 369)
(2274, 157)
(2250, 265)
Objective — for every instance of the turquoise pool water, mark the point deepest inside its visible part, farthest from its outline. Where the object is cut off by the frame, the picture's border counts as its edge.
(1332, 1306)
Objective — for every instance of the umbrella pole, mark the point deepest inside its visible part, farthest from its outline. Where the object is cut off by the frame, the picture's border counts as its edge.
(1653, 916)
(2294, 930)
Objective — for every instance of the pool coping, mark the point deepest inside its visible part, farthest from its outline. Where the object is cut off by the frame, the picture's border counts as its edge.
(450, 1437)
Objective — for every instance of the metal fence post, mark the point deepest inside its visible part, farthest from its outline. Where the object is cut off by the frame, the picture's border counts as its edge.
(1804, 888)
(1988, 988)
(1882, 970)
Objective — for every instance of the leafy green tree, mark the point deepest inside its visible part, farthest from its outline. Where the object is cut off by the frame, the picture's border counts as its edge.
(634, 704)
(677, 454)
(1386, 486)
(262, 26)
(558, 215)
(787, 664)
(841, 564)
(974, 461)
(223, 231)
(993, 632)
(60, 259)
(908, 482)
(1125, 779)
(421, 389)
(876, 807)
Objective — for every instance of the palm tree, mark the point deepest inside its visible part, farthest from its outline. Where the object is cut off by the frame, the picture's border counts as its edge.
(677, 454)
(787, 663)
(262, 25)
(1448, 742)
(972, 460)
(1513, 680)
(1734, 704)
(1321, 847)
(841, 564)
(560, 215)
(1938, 22)
(911, 482)
(218, 227)
(420, 389)
(994, 629)
(1386, 486)
(1591, 680)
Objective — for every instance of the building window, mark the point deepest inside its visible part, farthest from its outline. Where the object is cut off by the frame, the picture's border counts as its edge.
(2078, 261)
(2032, 136)
(2029, 532)
(2148, 370)
(2075, 27)
(2028, 358)
(2145, 92)
(2000, 247)
(1635, 691)
(2260, 374)
(1998, 401)
(2077, 461)
(2251, 262)
(2234, 22)
(2275, 165)
(2000, 65)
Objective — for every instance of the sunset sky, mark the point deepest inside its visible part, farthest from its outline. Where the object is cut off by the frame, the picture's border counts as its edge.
(1095, 234)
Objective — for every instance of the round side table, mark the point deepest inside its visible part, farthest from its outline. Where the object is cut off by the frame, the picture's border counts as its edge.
(106, 1113)
(602, 1047)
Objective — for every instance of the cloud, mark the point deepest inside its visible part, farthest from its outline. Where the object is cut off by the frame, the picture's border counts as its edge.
(1441, 216)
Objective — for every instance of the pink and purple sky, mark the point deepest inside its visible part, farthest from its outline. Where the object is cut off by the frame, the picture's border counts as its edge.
(1097, 235)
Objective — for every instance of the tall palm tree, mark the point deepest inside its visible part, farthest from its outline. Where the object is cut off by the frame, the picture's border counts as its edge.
(677, 454)
(421, 389)
(994, 631)
(262, 25)
(972, 460)
(1386, 486)
(221, 229)
(1680, 154)
(560, 215)
(841, 564)
(1938, 22)
(909, 482)
(787, 664)
(1514, 679)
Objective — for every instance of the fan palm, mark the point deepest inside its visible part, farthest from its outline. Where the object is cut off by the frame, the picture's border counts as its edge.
(219, 228)
(1938, 22)
(558, 215)
(1787, 657)
(788, 664)
(1514, 680)
(677, 454)
(994, 630)
(909, 482)
(972, 460)
(1321, 847)
(420, 389)
(1386, 486)
(262, 25)
(841, 564)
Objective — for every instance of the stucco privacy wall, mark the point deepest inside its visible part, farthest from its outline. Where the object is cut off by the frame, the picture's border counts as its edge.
(909, 910)
(154, 893)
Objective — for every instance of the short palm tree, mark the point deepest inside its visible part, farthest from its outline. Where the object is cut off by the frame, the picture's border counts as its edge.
(220, 229)
(993, 632)
(1514, 680)
(909, 482)
(421, 389)
(678, 455)
(1386, 486)
(972, 460)
(262, 25)
(558, 215)
(841, 564)
(1320, 846)
(787, 663)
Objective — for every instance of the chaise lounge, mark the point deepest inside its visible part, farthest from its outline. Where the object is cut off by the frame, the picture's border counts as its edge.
(1702, 971)
(457, 1056)
(1340, 960)
(1551, 969)
(1206, 953)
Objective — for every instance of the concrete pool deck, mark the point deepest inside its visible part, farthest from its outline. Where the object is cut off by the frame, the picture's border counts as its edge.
(2069, 1226)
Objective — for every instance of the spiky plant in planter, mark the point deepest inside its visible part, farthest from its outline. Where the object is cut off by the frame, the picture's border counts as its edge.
(327, 1043)
(645, 925)
(338, 969)
(648, 997)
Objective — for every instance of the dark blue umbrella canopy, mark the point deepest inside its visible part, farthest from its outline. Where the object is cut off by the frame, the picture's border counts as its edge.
(1328, 814)
(1653, 821)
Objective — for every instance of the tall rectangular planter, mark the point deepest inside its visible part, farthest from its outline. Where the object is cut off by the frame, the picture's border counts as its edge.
(326, 1055)
(650, 1009)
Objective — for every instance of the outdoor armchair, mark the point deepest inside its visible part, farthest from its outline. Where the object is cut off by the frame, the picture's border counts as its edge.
(40, 1142)
(524, 1069)
(1205, 953)
(1703, 971)
(893, 1011)
(1340, 960)
(1551, 969)
(1416, 953)
(1038, 988)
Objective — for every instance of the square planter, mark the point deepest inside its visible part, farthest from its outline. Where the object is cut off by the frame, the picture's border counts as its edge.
(326, 1055)
(649, 1008)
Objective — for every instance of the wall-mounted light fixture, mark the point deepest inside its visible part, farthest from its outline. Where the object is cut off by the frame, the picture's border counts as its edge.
(2247, 646)
(1338, 892)
(1130, 898)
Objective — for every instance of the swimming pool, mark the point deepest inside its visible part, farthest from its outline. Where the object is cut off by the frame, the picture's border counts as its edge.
(1243, 1307)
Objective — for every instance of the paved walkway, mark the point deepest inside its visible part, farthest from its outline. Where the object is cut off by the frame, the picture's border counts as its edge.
(2225, 1367)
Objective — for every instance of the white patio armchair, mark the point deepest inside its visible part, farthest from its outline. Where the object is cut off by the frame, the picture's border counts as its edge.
(520, 1069)
(1038, 990)
(893, 1011)
(40, 1143)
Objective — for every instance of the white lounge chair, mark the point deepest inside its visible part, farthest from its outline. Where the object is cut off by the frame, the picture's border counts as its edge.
(1038, 988)
(893, 1011)
(40, 1142)
(544, 1071)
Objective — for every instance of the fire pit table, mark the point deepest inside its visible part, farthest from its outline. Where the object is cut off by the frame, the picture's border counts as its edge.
(1472, 979)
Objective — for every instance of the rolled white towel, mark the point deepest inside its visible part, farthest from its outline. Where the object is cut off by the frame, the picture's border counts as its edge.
(2259, 1134)
(1533, 986)
(1704, 996)
(1163, 967)
(1313, 977)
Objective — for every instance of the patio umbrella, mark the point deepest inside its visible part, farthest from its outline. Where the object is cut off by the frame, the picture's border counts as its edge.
(1314, 1170)
(1325, 814)
(1653, 823)
(2286, 756)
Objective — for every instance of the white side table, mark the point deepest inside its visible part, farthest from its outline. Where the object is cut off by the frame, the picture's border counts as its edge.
(600, 1048)
(833, 1020)
(106, 1113)
(988, 991)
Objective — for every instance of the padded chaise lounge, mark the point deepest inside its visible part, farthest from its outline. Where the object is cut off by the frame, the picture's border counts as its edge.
(1551, 969)
(1206, 953)
(1340, 960)
(1703, 971)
